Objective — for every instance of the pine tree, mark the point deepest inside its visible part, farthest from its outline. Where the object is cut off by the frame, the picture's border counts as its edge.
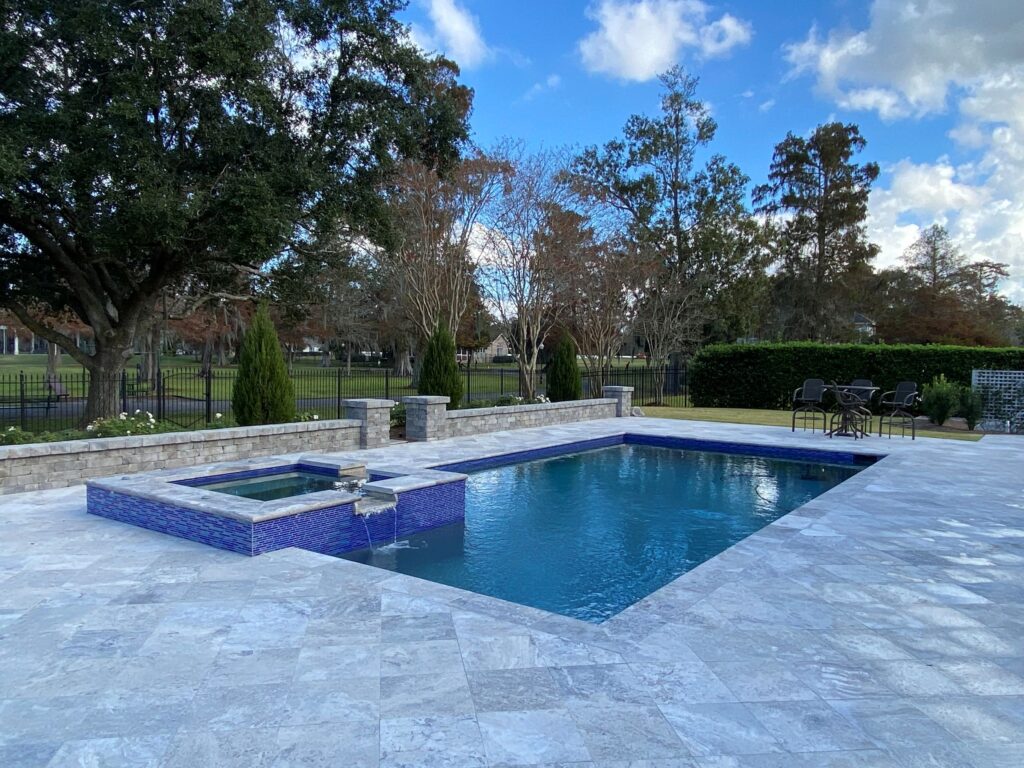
(263, 390)
(564, 381)
(440, 372)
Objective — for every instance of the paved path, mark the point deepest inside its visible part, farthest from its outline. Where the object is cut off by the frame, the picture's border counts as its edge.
(880, 625)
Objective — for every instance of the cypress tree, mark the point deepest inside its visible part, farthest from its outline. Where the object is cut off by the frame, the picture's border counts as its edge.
(440, 373)
(263, 390)
(564, 382)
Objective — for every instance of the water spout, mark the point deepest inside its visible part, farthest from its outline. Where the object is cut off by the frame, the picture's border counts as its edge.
(369, 541)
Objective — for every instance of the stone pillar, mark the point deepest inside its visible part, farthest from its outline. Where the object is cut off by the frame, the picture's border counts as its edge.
(426, 417)
(375, 418)
(623, 397)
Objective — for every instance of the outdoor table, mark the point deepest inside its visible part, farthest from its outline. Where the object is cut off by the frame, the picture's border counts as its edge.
(847, 425)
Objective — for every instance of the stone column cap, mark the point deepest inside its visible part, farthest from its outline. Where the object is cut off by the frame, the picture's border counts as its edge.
(426, 399)
(616, 389)
(368, 402)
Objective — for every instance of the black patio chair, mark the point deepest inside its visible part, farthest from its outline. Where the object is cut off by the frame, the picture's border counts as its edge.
(854, 417)
(807, 404)
(896, 406)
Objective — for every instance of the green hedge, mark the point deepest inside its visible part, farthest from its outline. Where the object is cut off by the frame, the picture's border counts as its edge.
(765, 375)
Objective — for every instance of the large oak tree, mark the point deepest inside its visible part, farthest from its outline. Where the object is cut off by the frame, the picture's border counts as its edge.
(152, 145)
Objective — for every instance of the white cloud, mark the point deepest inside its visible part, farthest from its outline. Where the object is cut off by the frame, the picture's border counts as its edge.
(913, 54)
(637, 40)
(766, 106)
(931, 56)
(455, 31)
(549, 83)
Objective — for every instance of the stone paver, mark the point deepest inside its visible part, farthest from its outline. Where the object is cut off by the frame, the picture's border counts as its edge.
(879, 625)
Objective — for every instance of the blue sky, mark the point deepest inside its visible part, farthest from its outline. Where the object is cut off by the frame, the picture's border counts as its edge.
(937, 87)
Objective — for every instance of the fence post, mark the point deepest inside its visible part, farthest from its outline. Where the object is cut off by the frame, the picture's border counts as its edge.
(22, 415)
(209, 396)
(159, 382)
(501, 378)
(469, 386)
(338, 389)
(124, 391)
(387, 384)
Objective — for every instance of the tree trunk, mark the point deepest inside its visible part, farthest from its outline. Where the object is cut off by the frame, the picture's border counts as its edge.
(52, 359)
(206, 361)
(150, 355)
(403, 364)
(348, 359)
(105, 373)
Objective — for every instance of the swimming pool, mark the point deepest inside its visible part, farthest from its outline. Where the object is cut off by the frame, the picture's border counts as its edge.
(588, 534)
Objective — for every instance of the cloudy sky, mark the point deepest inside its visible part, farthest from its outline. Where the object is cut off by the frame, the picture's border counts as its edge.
(937, 87)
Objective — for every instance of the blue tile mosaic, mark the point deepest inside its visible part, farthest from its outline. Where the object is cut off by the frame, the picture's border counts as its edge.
(328, 530)
(691, 444)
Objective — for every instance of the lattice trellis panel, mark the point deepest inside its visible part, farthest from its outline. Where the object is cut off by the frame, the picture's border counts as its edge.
(1003, 395)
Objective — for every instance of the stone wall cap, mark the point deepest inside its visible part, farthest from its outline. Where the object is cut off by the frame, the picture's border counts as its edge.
(616, 389)
(91, 444)
(426, 399)
(368, 402)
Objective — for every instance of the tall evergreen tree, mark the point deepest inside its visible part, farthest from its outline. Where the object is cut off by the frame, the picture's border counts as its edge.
(440, 372)
(817, 195)
(687, 218)
(564, 382)
(263, 391)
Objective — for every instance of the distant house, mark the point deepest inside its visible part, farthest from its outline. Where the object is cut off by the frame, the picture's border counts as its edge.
(499, 347)
(863, 326)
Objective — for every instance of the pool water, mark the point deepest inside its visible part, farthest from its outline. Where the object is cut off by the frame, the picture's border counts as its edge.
(588, 534)
(279, 485)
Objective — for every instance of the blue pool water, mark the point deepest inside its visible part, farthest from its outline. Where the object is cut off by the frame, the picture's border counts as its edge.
(588, 534)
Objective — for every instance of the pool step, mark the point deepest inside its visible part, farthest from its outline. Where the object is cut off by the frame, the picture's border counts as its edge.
(375, 505)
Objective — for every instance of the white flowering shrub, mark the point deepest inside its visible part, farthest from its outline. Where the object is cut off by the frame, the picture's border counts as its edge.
(122, 425)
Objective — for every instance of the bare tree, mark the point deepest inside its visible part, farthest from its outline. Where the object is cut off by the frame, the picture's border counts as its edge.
(598, 269)
(670, 314)
(434, 219)
(519, 275)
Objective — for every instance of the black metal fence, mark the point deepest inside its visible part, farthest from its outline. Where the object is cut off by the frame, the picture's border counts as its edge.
(191, 398)
(647, 383)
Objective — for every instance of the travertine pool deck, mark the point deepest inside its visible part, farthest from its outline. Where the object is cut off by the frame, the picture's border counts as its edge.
(882, 624)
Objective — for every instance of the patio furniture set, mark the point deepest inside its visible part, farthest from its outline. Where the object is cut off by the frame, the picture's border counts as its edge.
(851, 414)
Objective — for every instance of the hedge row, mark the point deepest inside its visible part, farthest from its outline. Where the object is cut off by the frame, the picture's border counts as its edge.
(765, 375)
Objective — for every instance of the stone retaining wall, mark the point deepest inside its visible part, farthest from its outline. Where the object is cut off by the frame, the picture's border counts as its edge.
(427, 419)
(475, 421)
(56, 465)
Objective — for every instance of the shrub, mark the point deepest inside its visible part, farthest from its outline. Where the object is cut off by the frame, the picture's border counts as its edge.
(263, 390)
(940, 399)
(502, 359)
(972, 406)
(123, 425)
(765, 375)
(564, 380)
(440, 373)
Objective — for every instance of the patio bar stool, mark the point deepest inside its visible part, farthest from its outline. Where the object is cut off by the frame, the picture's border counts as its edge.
(807, 404)
(896, 407)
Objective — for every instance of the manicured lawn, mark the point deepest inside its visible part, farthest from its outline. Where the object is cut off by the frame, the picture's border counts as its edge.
(768, 418)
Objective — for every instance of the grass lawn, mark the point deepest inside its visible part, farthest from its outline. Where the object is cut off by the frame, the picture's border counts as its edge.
(770, 419)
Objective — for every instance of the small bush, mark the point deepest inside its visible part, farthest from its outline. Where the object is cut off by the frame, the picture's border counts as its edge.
(940, 399)
(399, 415)
(972, 406)
(440, 373)
(503, 359)
(123, 425)
(564, 380)
(263, 390)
